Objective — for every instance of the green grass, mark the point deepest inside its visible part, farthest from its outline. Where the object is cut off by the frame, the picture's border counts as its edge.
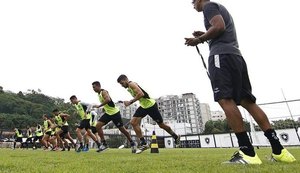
(115, 160)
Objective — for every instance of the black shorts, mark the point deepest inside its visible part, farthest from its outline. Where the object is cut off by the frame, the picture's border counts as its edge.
(38, 138)
(229, 78)
(85, 124)
(153, 112)
(29, 139)
(49, 133)
(19, 139)
(94, 130)
(116, 118)
(65, 130)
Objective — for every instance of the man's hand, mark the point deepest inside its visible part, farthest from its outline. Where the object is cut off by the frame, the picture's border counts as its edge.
(198, 33)
(127, 103)
(192, 41)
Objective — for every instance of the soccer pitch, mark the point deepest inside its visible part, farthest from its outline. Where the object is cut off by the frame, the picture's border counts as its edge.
(122, 160)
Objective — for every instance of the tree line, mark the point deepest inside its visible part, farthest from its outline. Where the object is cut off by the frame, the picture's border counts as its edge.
(25, 109)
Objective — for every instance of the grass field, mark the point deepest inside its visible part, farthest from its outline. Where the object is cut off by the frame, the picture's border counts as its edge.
(122, 160)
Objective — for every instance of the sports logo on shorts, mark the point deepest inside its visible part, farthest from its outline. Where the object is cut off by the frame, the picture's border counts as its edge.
(207, 140)
(284, 137)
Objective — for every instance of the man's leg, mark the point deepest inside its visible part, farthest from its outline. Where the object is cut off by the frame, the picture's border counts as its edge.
(279, 153)
(235, 121)
(135, 123)
(79, 137)
(100, 131)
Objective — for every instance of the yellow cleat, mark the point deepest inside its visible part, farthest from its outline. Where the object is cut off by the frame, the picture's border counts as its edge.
(285, 156)
(240, 158)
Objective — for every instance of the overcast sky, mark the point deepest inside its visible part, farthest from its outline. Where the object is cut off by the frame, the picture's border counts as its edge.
(62, 46)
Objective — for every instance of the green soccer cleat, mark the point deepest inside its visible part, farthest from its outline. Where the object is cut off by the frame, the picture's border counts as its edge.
(240, 158)
(285, 156)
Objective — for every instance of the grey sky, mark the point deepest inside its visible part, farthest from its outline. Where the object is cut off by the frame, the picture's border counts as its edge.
(62, 46)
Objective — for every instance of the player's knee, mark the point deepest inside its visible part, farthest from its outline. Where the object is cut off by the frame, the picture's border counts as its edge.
(133, 123)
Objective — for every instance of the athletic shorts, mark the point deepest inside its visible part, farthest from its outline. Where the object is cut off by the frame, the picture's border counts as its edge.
(85, 124)
(48, 133)
(19, 139)
(116, 118)
(29, 139)
(38, 138)
(65, 130)
(94, 130)
(153, 112)
(229, 78)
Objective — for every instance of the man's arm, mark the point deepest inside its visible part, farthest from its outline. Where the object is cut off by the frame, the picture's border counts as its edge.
(216, 29)
(137, 90)
(106, 98)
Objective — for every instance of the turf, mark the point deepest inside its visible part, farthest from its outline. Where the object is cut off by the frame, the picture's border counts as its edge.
(122, 160)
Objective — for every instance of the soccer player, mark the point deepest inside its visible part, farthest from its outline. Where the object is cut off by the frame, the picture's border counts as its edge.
(18, 137)
(230, 81)
(112, 113)
(83, 110)
(47, 131)
(29, 136)
(38, 135)
(63, 132)
(93, 123)
(148, 106)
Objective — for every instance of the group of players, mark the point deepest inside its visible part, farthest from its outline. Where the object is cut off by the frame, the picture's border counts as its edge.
(56, 134)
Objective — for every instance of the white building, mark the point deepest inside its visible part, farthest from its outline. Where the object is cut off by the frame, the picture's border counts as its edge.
(217, 115)
(184, 109)
(205, 112)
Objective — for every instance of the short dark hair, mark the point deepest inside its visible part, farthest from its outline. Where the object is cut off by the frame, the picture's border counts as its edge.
(122, 77)
(55, 110)
(97, 83)
(45, 115)
(73, 97)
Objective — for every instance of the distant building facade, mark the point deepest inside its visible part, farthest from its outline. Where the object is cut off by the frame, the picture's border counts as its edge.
(184, 109)
(217, 115)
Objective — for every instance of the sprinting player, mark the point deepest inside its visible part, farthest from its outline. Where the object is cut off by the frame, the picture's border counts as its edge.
(18, 137)
(93, 123)
(148, 106)
(112, 113)
(29, 137)
(230, 81)
(47, 131)
(38, 135)
(83, 110)
(63, 132)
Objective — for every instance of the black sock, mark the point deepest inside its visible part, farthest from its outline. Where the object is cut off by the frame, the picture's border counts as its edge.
(274, 141)
(14, 144)
(143, 141)
(132, 143)
(244, 144)
(104, 143)
(175, 136)
(81, 145)
(87, 145)
(98, 144)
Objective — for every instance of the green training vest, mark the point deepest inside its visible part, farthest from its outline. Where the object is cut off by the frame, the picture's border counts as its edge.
(144, 102)
(19, 135)
(109, 109)
(29, 133)
(81, 111)
(38, 131)
(47, 126)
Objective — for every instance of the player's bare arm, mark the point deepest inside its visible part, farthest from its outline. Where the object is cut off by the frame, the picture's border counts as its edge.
(106, 98)
(137, 90)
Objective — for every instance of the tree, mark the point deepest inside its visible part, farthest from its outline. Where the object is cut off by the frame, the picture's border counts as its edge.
(1, 90)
